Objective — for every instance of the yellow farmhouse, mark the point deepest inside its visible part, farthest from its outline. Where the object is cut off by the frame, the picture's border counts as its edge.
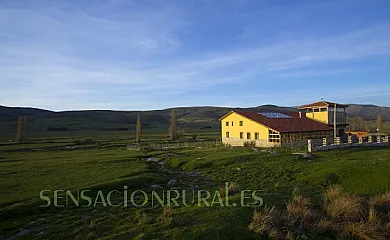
(324, 112)
(274, 129)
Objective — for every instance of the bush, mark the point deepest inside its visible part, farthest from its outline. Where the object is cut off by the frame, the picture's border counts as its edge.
(227, 145)
(362, 230)
(382, 202)
(298, 211)
(341, 206)
(263, 220)
(331, 179)
(344, 217)
(250, 144)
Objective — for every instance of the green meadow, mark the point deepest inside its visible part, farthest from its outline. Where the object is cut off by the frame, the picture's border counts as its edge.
(106, 164)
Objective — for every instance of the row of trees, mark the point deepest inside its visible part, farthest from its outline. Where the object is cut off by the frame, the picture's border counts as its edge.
(22, 128)
(172, 129)
(359, 124)
(379, 125)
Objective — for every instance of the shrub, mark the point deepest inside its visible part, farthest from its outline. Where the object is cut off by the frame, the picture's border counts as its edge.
(325, 225)
(338, 205)
(332, 192)
(382, 202)
(343, 218)
(362, 230)
(227, 145)
(380, 206)
(298, 210)
(331, 179)
(372, 218)
(249, 144)
(263, 220)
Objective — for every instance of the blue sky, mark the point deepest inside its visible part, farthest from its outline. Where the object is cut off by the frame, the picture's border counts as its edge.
(141, 54)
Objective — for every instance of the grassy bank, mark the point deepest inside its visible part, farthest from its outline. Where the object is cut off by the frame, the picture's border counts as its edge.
(362, 172)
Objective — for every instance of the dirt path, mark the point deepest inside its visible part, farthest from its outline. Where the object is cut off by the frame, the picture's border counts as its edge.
(180, 179)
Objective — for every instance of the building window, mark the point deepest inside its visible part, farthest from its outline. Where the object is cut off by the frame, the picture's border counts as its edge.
(316, 109)
(227, 134)
(273, 136)
(323, 109)
(241, 123)
(232, 124)
(309, 110)
(227, 124)
(331, 109)
(241, 135)
(257, 136)
(248, 135)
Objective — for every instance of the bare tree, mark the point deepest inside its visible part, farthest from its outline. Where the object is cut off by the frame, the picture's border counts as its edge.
(360, 126)
(357, 124)
(138, 130)
(379, 123)
(173, 128)
(19, 130)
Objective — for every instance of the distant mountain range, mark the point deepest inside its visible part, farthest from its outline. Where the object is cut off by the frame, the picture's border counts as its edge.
(110, 120)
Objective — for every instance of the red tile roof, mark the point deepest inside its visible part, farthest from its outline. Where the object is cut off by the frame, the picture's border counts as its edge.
(287, 125)
(322, 104)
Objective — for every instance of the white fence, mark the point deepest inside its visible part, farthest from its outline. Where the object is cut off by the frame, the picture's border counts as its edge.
(315, 145)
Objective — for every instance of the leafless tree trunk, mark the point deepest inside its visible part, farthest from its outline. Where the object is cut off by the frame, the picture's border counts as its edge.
(138, 130)
(379, 123)
(173, 128)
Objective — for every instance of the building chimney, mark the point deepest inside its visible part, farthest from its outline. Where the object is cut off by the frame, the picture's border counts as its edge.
(300, 114)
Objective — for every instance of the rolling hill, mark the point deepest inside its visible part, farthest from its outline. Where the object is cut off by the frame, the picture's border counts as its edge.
(105, 120)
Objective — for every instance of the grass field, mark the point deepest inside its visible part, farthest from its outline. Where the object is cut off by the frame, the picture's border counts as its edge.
(24, 173)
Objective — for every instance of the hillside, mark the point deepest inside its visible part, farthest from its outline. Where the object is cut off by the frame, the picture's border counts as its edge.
(105, 120)
(368, 112)
(18, 111)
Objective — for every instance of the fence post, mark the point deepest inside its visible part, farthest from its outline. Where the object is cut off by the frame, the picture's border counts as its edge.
(309, 145)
